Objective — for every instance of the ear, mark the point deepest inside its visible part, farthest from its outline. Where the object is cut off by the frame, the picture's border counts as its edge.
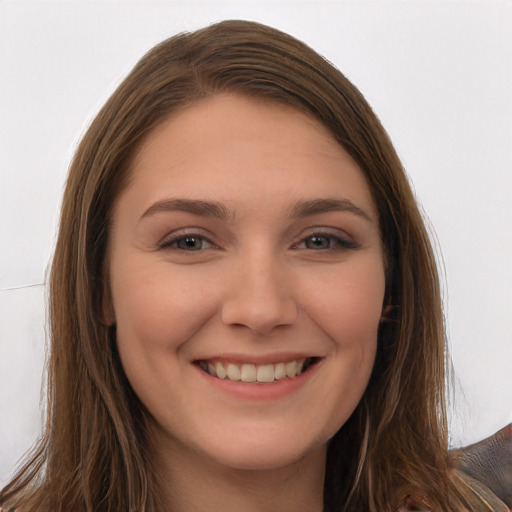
(108, 316)
(386, 313)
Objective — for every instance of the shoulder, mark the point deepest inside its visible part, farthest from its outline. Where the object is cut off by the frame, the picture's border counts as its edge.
(486, 469)
(483, 471)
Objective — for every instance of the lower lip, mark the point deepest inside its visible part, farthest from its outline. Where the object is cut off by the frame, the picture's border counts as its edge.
(259, 391)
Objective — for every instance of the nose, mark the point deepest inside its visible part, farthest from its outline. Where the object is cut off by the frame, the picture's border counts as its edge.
(259, 295)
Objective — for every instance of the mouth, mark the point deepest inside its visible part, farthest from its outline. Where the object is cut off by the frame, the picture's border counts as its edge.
(257, 373)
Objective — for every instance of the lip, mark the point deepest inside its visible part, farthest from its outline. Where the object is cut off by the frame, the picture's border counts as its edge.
(274, 358)
(259, 391)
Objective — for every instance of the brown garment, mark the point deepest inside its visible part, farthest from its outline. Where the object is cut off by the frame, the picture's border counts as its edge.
(485, 468)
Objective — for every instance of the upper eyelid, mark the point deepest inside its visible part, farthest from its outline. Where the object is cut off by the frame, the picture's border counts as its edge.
(340, 239)
(345, 240)
(184, 233)
(293, 241)
(323, 231)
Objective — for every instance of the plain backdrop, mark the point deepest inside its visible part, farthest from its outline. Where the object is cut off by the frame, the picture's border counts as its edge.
(437, 73)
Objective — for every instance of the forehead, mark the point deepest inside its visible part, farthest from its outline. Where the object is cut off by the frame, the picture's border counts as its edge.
(231, 148)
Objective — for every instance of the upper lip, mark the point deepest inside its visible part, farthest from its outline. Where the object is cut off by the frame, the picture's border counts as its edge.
(277, 357)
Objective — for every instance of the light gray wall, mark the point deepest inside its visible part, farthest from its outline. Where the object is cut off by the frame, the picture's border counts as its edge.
(438, 74)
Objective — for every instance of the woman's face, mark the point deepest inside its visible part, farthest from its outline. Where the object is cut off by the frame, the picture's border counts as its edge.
(247, 283)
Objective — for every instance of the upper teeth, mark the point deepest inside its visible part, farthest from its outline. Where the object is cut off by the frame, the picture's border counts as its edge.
(253, 373)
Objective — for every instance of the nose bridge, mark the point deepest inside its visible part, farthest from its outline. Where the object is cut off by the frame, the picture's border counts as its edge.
(260, 292)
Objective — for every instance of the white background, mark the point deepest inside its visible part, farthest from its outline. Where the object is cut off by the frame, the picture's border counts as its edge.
(438, 74)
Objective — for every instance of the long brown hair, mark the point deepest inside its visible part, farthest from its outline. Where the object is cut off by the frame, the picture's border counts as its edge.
(92, 456)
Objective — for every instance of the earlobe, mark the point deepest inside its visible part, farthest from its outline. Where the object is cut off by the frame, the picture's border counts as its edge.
(108, 316)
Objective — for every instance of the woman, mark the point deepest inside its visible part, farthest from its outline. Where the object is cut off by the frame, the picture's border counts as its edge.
(244, 303)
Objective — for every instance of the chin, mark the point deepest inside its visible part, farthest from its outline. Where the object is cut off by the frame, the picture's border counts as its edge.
(253, 454)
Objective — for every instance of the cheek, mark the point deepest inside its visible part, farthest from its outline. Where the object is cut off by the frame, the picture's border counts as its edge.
(349, 313)
(349, 307)
(158, 309)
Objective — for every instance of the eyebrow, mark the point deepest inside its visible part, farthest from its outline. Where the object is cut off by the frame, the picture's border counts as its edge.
(219, 211)
(318, 206)
(194, 206)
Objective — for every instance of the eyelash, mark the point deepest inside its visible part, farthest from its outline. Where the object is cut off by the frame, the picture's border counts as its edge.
(168, 243)
(336, 243)
(340, 243)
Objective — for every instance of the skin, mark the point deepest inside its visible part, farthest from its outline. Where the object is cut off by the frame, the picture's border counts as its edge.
(259, 287)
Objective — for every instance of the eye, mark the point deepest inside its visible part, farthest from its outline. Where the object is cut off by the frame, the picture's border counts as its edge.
(325, 242)
(186, 243)
(192, 243)
(319, 242)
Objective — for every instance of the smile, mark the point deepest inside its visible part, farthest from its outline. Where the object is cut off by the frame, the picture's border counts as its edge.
(264, 373)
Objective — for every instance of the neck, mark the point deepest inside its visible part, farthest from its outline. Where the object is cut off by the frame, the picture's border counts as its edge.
(193, 483)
